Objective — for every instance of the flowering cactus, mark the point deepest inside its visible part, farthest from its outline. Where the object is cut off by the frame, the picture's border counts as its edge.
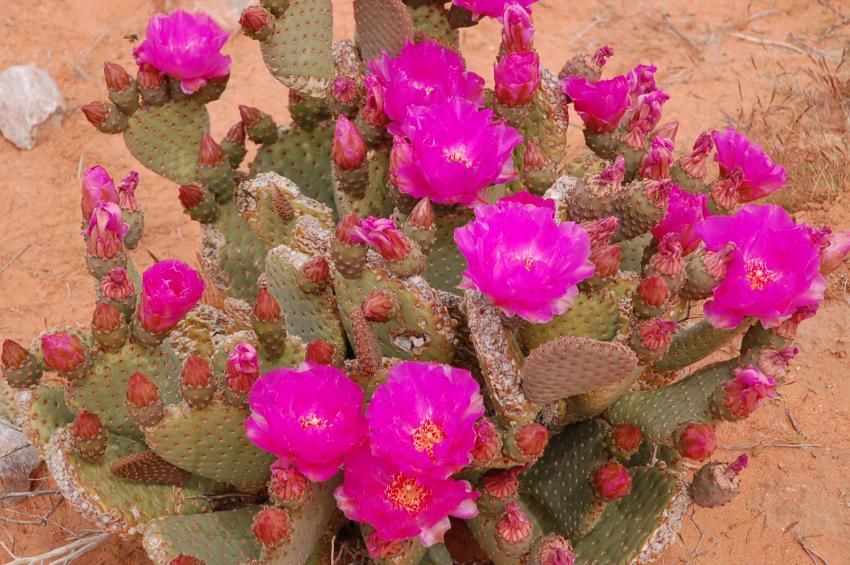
(489, 333)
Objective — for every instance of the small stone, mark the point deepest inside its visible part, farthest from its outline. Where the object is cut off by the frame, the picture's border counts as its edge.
(30, 104)
(15, 468)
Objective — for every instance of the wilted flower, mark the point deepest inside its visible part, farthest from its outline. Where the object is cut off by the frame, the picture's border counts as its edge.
(835, 251)
(309, 417)
(169, 290)
(97, 187)
(451, 152)
(398, 504)
(743, 395)
(185, 46)
(423, 74)
(772, 272)
(759, 175)
(694, 163)
(656, 163)
(517, 77)
(384, 236)
(106, 231)
(127, 191)
(684, 213)
(641, 80)
(523, 260)
(600, 104)
(62, 351)
(423, 418)
(644, 118)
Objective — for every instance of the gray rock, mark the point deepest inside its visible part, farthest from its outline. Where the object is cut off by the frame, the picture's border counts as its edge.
(225, 12)
(17, 460)
(30, 103)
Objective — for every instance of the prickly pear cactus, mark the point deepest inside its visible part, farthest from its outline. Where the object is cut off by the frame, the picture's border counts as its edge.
(411, 307)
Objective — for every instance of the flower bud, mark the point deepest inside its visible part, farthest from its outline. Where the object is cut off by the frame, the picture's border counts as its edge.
(373, 112)
(184, 559)
(14, 356)
(150, 78)
(320, 352)
(96, 113)
(243, 368)
(697, 441)
(271, 526)
(488, 443)
(668, 259)
(612, 481)
(626, 438)
(287, 484)
(250, 116)
(256, 22)
(379, 305)
(106, 231)
(236, 134)
(211, 154)
(514, 526)
(501, 484)
(344, 89)
(191, 196)
(517, 77)
(534, 158)
(422, 216)
(835, 252)
(97, 187)
(606, 259)
(86, 425)
(88, 437)
(106, 318)
(532, 439)
(517, 29)
(317, 270)
(196, 373)
(350, 230)
(127, 192)
(349, 149)
(657, 335)
(116, 77)
(141, 391)
(62, 352)
(694, 164)
(266, 309)
(653, 291)
(553, 550)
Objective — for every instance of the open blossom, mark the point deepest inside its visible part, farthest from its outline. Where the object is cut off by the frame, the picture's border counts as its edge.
(310, 417)
(451, 152)
(525, 197)
(743, 395)
(684, 213)
(97, 187)
(525, 262)
(398, 504)
(600, 104)
(517, 29)
(759, 175)
(423, 74)
(772, 272)
(492, 8)
(517, 77)
(169, 290)
(423, 418)
(106, 231)
(384, 236)
(185, 46)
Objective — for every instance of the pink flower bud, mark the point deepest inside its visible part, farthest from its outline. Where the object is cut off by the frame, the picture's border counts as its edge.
(86, 425)
(656, 334)
(106, 231)
(317, 270)
(835, 252)
(287, 483)
(517, 29)
(517, 77)
(243, 368)
(653, 291)
(514, 526)
(600, 231)
(344, 89)
(422, 216)
(488, 443)
(612, 481)
(668, 258)
(271, 526)
(555, 550)
(350, 230)
(697, 441)
(532, 439)
(373, 112)
(378, 305)
(534, 158)
(97, 187)
(62, 351)
(349, 149)
(169, 290)
(385, 237)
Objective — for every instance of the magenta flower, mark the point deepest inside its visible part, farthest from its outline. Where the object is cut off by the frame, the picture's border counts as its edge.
(517, 29)
(492, 8)
(243, 368)
(185, 46)
(452, 152)
(62, 351)
(398, 504)
(310, 417)
(169, 290)
(656, 163)
(743, 395)
(517, 78)
(641, 80)
(423, 418)
(760, 176)
(600, 104)
(525, 197)
(106, 230)
(349, 149)
(127, 191)
(525, 262)
(645, 117)
(772, 272)
(97, 187)
(423, 74)
(384, 236)
(684, 213)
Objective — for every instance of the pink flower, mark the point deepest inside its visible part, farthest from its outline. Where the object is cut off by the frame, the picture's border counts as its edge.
(310, 417)
(373, 111)
(525, 262)
(684, 212)
(760, 176)
(423, 418)
(62, 351)
(656, 163)
(600, 104)
(423, 74)
(452, 152)
(771, 273)
(641, 80)
(835, 251)
(517, 29)
(106, 230)
(743, 395)
(169, 290)
(398, 504)
(517, 78)
(185, 46)
(243, 367)
(97, 187)
(384, 236)
(525, 197)
(492, 8)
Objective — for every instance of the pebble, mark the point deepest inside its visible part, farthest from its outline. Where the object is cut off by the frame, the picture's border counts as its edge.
(15, 468)
(30, 105)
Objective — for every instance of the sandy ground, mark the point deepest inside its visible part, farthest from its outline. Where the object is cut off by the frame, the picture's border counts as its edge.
(792, 496)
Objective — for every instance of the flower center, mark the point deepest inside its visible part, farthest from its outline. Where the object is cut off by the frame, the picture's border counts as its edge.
(312, 421)
(757, 274)
(404, 493)
(528, 263)
(427, 435)
(457, 155)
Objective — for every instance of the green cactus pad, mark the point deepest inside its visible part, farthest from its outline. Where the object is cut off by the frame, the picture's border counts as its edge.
(382, 25)
(304, 157)
(43, 410)
(537, 122)
(639, 526)
(104, 387)
(420, 329)
(560, 481)
(483, 528)
(696, 342)
(570, 365)
(445, 264)
(308, 315)
(232, 254)
(376, 201)
(211, 442)
(116, 504)
(595, 316)
(219, 538)
(166, 139)
(431, 19)
(632, 252)
(298, 52)
(659, 413)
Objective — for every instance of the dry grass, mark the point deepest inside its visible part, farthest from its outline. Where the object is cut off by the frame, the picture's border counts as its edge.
(805, 125)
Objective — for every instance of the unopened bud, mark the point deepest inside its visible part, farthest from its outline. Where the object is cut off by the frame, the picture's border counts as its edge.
(236, 134)
(612, 481)
(211, 153)
(271, 526)
(349, 149)
(96, 113)
(320, 352)
(532, 439)
(379, 305)
(422, 216)
(697, 441)
(256, 22)
(106, 318)
(266, 309)
(86, 425)
(116, 77)
(141, 391)
(196, 373)
(191, 196)
(317, 270)
(653, 291)
(14, 356)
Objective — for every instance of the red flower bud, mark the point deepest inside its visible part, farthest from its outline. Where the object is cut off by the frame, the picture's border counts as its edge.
(184, 559)
(116, 77)
(211, 153)
(14, 356)
(106, 318)
(86, 425)
(271, 526)
(378, 305)
(141, 391)
(236, 134)
(532, 439)
(612, 481)
(626, 437)
(555, 550)
(266, 309)
(287, 484)
(190, 195)
(96, 113)
(254, 19)
(250, 116)
(606, 259)
(346, 228)
(653, 291)
(502, 484)
(62, 351)
(349, 149)
(422, 216)
(320, 352)
(534, 159)
(316, 270)
(196, 373)
(657, 334)
(697, 441)
(488, 443)
(149, 78)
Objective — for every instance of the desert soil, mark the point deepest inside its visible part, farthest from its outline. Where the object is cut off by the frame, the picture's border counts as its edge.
(795, 504)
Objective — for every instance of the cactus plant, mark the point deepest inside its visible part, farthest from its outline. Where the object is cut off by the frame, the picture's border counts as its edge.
(414, 243)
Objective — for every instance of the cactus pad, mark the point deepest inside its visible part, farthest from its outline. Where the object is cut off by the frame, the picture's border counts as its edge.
(201, 332)
(431, 20)
(43, 410)
(382, 25)
(445, 263)
(148, 467)
(696, 342)
(595, 316)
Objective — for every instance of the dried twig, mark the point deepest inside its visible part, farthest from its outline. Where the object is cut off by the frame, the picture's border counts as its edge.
(63, 555)
(783, 445)
(30, 493)
(813, 555)
(14, 450)
(15, 258)
(793, 421)
(769, 42)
